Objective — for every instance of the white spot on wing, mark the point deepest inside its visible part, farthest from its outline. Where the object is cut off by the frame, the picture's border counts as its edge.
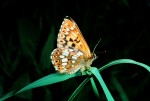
(65, 51)
(63, 71)
(56, 68)
(71, 50)
(64, 64)
(51, 57)
(66, 33)
(52, 62)
(80, 53)
(66, 24)
(64, 60)
(73, 61)
(65, 54)
(67, 29)
(61, 56)
(63, 21)
(58, 45)
(72, 28)
(74, 57)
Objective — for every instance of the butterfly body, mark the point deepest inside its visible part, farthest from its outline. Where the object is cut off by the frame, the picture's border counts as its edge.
(72, 52)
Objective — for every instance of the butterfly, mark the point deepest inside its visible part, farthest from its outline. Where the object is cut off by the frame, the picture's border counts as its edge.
(72, 53)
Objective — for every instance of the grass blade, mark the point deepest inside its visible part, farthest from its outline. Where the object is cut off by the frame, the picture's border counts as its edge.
(94, 87)
(47, 80)
(78, 89)
(102, 83)
(120, 61)
(119, 89)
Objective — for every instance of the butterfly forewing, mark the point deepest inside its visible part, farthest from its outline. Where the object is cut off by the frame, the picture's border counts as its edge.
(71, 36)
(73, 52)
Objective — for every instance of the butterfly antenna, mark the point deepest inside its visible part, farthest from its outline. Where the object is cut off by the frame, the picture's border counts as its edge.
(96, 45)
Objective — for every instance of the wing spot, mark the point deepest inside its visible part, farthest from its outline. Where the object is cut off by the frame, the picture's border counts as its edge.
(72, 28)
(65, 54)
(58, 50)
(56, 61)
(59, 67)
(73, 61)
(61, 56)
(62, 36)
(66, 33)
(73, 45)
(70, 40)
(74, 57)
(71, 50)
(64, 64)
(64, 60)
(62, 41)
(67, 29)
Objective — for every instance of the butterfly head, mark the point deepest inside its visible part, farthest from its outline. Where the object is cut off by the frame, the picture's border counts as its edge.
(94, 56)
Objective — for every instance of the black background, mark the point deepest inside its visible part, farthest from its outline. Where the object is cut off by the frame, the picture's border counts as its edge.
(122, 25)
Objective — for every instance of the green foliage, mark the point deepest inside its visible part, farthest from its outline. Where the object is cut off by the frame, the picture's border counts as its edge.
(55, 78)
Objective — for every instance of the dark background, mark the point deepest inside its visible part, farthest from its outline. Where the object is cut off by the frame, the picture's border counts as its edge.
(28, 33)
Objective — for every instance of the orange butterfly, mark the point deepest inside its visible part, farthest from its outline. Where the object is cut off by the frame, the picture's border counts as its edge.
(72, 52)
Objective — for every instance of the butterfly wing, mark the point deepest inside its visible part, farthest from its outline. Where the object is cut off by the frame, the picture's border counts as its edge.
(71, 36)
(72, 52)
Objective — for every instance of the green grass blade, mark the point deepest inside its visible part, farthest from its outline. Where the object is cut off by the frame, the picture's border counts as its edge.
(47, 80)
(10, 94)
(120, 61)
(119, 89)
(79, 88)
(94, 87)
(54, 78)
(102, 83)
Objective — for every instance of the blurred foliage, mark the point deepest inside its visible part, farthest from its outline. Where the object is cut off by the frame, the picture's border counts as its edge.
(28, 33)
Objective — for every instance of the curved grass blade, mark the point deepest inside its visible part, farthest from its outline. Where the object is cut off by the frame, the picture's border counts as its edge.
(79, 88)
(102, 83)
(120, 89)
(94, 87)
(120, 61)
(55, 78)
(47, 80)
(10, 94)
